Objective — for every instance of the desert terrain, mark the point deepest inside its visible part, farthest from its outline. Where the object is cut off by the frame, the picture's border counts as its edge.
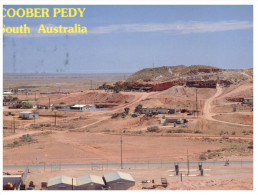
(219, 125)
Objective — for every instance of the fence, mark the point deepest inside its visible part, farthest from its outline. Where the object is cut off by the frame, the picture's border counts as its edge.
(132, 165)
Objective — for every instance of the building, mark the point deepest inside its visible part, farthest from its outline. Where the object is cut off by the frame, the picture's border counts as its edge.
(89, 182)
(61, 183)
(156, 111)
(118, 180)
(61, 107)
(202, 84)
(28, 115)
(173, 120)
(80, 107)
(248, 100)
(12, 180)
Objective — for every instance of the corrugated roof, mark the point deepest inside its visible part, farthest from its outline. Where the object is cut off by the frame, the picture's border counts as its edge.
(61, 179)
(118, 175)
(89, 179)
(248, 98)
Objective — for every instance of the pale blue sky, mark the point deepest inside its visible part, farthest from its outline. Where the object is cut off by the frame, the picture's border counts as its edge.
(128, 38)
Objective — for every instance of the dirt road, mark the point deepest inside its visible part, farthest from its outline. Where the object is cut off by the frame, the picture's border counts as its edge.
(207, 109)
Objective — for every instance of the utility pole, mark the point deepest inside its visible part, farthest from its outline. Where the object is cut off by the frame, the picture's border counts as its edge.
(196, 104)
(121, 140)
(13, 124)
(55, 118)
(187, 163)
(34, 121)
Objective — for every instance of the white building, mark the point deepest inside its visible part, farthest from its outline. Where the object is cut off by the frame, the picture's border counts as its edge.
(28, 115)
(80, 107)
(119, 180)
(61, 183)
(89, 182)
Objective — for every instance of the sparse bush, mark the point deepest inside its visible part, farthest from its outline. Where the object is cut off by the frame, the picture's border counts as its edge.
(169, 131)
(179, 131)
(115, 115)
(202, 157)
(208, 150)
(250, 145)
(197, 131)
(153, 129)
(165, 123)
(138, 108)
(233, 133)
(27, 138)
(210, 156)
(16, 142)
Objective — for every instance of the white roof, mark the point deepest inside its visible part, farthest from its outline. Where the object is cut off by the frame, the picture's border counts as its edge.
(117, 175)
(7, 92)
(248, 98)
(11, 176)
(79, 105)
(89, 179)
(26, 112)
(61, 179)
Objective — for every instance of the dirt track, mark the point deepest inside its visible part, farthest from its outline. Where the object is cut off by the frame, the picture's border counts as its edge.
(207, 109)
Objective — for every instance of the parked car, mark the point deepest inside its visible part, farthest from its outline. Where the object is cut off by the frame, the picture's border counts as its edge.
(135, 115)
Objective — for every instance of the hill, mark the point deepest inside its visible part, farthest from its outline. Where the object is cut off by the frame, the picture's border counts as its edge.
(168, 72)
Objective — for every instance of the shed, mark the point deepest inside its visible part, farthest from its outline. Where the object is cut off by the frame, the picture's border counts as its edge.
(61, 183)
(28, 115)
(248, 100)
(118, 180)
(89, 182)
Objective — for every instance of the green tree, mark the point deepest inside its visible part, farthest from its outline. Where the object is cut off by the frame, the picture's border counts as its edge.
(27, 105)
(116, 89)
(138, 108)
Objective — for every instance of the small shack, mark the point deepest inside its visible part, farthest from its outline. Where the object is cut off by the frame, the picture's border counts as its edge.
(61, 183)
(118, 180)
(89, 182)
(28, 115)
(248, 100)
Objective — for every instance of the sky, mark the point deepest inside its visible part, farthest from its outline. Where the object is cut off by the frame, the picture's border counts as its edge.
(126, 39)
